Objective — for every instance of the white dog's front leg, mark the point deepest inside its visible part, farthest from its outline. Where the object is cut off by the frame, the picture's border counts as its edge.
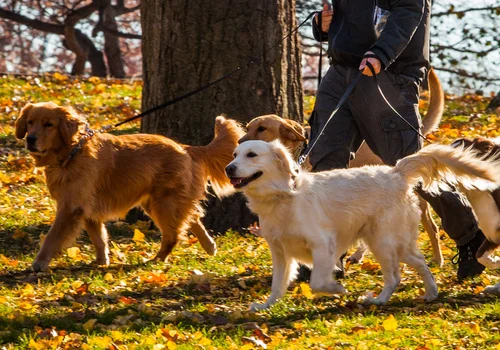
(284, 268)
(322, 274)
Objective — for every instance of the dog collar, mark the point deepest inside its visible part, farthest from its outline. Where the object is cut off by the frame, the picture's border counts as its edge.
(88, 134)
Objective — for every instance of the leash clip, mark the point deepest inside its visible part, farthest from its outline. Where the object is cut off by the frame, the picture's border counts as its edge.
(302, 159)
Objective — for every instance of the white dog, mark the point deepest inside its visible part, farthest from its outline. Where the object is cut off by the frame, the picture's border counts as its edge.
(315, 217)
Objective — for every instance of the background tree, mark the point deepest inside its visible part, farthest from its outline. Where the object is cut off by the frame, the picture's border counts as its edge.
(45, 35)
(188, 46)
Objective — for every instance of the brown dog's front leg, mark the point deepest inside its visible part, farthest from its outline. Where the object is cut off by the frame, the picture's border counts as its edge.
(66, 226)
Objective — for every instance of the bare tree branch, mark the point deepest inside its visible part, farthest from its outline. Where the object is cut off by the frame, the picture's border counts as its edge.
(463, 73)
(461, 12)
(32, 23)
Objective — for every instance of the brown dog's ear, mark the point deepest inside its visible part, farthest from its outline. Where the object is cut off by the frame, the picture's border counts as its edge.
(291, 130)
(69, 123)
(22, 122)
(285, 159)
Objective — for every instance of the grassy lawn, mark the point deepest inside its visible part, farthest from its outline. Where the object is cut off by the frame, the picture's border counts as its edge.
(195, 301)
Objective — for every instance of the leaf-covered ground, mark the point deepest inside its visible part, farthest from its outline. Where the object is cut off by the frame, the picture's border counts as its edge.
(195, 301)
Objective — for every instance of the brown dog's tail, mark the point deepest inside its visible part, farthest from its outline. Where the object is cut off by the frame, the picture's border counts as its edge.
(459, 166)
(215, 156)
(436, 104)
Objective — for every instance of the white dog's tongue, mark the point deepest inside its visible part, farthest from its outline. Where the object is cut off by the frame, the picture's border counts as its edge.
(235, 180)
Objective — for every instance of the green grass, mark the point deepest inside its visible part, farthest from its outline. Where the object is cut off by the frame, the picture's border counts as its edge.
(136, 304)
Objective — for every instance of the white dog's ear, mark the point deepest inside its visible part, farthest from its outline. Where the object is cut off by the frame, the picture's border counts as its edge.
(286, 161)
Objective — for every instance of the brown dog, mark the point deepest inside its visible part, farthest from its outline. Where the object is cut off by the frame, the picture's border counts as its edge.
(293, 135)
(106, 175)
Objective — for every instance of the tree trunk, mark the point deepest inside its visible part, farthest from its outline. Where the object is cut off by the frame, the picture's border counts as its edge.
(185, 47)
(112, 44)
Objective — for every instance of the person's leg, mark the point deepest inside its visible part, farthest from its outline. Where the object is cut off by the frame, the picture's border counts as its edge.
(341, 137)
(390, 137)
(459, 222)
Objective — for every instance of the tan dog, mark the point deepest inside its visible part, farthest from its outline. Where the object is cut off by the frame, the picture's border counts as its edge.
(313, 218)
(293, 135)
(111, 174)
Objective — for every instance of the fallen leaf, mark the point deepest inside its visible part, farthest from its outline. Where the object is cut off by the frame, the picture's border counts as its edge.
(390, 323)
(138, 236)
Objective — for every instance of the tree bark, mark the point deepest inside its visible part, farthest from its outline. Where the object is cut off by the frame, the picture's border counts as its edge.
(185, 47)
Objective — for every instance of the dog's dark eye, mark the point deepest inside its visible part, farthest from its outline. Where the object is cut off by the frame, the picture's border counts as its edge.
(251, 155)
(48, 124)
(235, 155)
(30, 122)
(261, 129)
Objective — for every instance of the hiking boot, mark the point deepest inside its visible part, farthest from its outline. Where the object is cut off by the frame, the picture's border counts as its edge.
(468, 266)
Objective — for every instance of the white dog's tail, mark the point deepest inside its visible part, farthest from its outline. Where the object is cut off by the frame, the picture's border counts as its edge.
(454, 165)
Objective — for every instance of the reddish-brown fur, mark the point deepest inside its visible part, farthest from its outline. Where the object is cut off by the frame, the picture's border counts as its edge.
(112, 174)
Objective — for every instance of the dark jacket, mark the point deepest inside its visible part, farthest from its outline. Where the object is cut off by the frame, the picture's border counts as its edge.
(397, 31)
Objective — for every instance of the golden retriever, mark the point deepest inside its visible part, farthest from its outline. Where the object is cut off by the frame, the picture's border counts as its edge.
(111, 174)
(486, 206)
(293, 135)
(313, 218)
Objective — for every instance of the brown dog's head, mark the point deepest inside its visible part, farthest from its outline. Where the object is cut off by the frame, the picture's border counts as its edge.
(481, 145)
(271, 127)
(49, 129)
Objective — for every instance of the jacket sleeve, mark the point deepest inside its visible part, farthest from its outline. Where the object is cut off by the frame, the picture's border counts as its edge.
(318, 34)
(402, 23)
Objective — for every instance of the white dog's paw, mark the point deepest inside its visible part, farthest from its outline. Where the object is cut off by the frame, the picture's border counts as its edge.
(329, 288)
(369, 299)
(493, 289)
(40, 265)
(428, 297)
(259, 306)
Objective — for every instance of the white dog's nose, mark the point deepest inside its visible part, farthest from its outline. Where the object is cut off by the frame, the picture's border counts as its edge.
(230, 169)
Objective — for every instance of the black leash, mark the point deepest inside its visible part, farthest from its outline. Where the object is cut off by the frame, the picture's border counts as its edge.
(344, 97)
(204, 87)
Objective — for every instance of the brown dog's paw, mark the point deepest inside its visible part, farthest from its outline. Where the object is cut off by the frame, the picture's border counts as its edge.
(39, 265)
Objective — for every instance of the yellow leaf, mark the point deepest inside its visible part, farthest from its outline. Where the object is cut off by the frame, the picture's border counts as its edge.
(108, 277)
(306, 290)
(138, 236)
(89, 325)
(241, 269)
(204, 341)
(197, 335)
(74, 252)
(390, 323)
(171, 345)
(28, 290)
(60, 77)
(246, 347)
(474, 327)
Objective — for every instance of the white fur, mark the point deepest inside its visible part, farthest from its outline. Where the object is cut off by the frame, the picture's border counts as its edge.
(314, 217)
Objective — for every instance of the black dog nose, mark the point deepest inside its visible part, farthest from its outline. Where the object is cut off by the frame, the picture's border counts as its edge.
(230, 169)
(31, 139)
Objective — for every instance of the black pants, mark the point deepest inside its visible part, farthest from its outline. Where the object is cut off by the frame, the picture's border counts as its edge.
(366, 116)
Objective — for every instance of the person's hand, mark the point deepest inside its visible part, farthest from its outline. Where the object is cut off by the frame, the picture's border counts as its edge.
(326, 18)
(375, 62)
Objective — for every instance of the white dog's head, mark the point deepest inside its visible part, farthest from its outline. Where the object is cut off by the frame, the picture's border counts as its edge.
(258, 165)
